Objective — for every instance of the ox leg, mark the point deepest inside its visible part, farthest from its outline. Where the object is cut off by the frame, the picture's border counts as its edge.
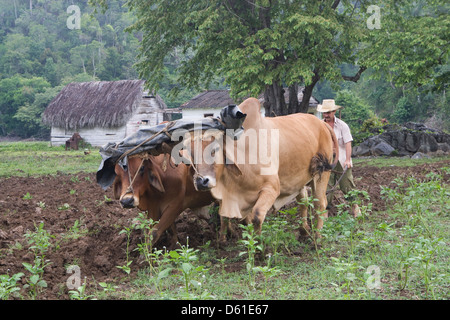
(305, 230)
(320, 193)
(174, 235)
(225, 225)
(265, 201)
(166, 221)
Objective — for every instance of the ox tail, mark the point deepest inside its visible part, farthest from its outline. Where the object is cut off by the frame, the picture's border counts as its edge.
(319, 164)
(335, 145)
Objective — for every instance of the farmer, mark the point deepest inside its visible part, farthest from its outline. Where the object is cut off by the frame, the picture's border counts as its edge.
(344, 137)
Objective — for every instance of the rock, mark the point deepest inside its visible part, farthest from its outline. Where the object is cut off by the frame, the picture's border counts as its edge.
(411, 142)
(382, 149)
(419, 155)
(404, 141)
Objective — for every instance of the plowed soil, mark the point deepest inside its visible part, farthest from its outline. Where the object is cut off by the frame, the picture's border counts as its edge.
(59, 201)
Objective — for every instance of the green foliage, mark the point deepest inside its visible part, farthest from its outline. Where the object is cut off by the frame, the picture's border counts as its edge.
(252, 245)
(8, 285)
(40, 242)
(39, 54)
(355, 110)
(403, 111)
(412, 44)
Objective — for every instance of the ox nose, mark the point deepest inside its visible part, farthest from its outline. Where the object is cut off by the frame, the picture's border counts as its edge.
(127, 202)
(203, 183)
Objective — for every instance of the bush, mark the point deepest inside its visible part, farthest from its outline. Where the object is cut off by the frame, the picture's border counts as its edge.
(355, 110)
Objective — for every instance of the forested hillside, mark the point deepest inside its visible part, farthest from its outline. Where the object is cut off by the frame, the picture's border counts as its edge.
(41, 51)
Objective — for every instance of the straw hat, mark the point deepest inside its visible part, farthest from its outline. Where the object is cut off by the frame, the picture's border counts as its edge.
(327, 105)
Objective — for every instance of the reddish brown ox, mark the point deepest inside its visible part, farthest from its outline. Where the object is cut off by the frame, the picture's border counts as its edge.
(160, 188)
(247, 189)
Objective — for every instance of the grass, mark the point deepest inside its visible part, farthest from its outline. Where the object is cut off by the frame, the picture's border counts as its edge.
(38, 158)
(394, 161)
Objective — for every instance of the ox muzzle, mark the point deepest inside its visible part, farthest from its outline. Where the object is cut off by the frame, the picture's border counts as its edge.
(202, 183)
(128, 201)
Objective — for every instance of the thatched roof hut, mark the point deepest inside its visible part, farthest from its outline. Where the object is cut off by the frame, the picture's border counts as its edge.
(210, 102)
(103, 111)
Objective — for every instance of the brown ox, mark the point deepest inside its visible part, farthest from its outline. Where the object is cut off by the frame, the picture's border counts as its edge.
(300, 157)
(164, 194)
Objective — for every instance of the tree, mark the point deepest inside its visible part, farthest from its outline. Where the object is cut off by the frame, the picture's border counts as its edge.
(355, 111)
(17, 104)
(265, 45)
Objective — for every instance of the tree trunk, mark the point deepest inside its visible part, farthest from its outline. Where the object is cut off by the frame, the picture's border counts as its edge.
(274, 103)
(307, 93)
(15, 8)
(293, 98)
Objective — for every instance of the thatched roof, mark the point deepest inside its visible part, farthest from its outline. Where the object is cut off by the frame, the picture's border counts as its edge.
(221, 98)
(95, 104)
(210, 99)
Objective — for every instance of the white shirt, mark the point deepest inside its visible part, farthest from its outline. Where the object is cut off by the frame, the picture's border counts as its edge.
(343, 135)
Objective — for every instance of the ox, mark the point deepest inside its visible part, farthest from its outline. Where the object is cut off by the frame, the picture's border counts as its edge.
(163, 190)
(301, 156)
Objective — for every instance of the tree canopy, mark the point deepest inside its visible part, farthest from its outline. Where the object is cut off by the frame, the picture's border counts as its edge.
(266, 45)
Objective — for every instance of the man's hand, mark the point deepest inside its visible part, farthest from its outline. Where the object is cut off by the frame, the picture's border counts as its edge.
(347, 164)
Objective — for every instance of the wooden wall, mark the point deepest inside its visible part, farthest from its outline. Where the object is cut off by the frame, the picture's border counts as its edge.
(148, 113)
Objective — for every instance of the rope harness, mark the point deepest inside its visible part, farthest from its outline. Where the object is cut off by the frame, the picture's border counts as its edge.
(339, 180)
(146, 156)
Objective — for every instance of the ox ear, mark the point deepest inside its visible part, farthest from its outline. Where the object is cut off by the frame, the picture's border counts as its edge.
(234, 169)
(117, 188)
(155, 180)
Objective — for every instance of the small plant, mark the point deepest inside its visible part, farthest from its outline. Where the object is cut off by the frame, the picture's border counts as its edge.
(126, 267)
(65, 206)
(39, 242)
(27, 196)
(108, 287)
(80, 293)
(76, 231)
(278, 234)
(346, 272)
(185, 260)
(308, 202)
(145, 248)
(426, 249)
(250, 242)
(8, 285)
(267, 273)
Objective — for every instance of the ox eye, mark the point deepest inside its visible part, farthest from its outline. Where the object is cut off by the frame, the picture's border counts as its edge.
(141, 170)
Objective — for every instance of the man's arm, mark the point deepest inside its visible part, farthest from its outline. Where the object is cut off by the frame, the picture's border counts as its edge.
(348, 155)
